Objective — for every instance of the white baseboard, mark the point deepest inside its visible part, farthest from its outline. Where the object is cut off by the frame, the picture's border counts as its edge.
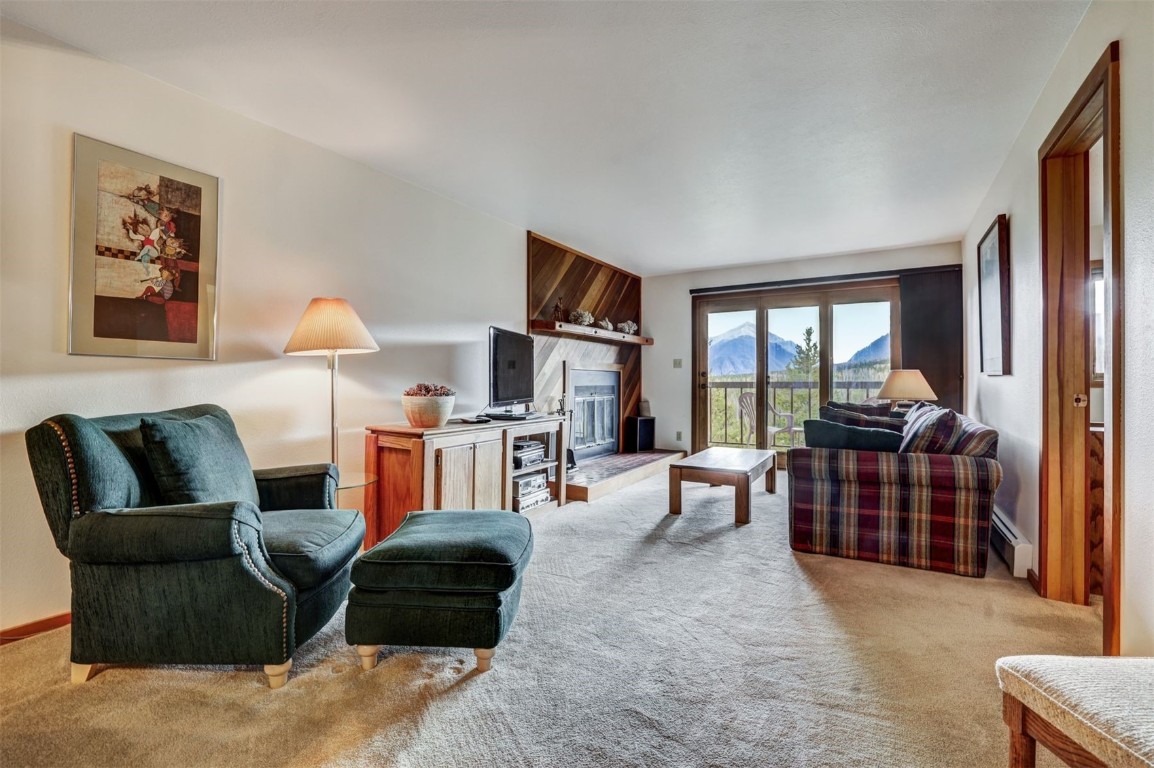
(1010, 544)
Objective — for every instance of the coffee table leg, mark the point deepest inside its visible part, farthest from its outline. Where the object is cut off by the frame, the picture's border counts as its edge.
(741, 516)
(771, 478)
(674, 491)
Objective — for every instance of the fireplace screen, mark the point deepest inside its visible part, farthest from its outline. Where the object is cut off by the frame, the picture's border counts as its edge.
(595, 412)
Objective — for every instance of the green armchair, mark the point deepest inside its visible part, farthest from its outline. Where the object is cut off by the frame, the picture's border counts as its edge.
(213, 580)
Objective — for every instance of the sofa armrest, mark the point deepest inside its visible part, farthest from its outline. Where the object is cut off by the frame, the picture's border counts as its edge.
(177, 533)
(308, 486)
(929, 470)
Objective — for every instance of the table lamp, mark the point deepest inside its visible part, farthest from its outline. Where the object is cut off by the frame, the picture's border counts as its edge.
(330, 327)
(904, 386)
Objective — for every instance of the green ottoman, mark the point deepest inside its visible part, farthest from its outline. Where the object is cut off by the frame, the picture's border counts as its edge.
(443, 579)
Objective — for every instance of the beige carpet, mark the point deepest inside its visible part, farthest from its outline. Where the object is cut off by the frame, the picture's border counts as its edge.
(642, 640)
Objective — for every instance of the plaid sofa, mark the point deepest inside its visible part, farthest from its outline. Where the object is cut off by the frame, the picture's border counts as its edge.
(918, 509)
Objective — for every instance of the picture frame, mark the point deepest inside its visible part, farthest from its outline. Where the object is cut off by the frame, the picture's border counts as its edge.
(994, 297)
(143, 268)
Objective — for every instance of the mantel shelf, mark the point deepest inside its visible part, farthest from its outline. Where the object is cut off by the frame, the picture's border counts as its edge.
(587, 332)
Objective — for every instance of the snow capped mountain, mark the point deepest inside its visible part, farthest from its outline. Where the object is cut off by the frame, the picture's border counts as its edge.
(745, 329)
(877, 350)
(735, 351)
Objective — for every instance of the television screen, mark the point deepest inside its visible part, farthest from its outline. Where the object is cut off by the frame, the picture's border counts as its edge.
(510, 367)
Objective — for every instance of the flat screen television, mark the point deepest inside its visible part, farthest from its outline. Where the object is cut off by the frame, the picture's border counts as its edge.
(510, 368)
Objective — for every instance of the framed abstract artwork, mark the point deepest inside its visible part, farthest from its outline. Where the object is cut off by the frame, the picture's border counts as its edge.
(994, 297)
(144, 253)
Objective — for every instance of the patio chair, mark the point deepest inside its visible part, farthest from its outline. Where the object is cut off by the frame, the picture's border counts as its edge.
(747, 409)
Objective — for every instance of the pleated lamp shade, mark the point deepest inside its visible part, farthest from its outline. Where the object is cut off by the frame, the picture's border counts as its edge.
(330, 325)
(906, 384)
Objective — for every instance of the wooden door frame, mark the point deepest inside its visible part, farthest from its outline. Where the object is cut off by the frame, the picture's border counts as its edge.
(1063, 572)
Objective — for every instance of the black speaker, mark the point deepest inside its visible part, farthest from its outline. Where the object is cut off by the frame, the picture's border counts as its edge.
(639, 433)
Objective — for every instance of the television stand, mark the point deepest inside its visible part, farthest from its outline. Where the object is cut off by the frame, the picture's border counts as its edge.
(511, 416)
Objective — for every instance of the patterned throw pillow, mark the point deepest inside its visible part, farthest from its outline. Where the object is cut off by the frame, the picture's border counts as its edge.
(912, 413)
(931, 430)
(838, 416)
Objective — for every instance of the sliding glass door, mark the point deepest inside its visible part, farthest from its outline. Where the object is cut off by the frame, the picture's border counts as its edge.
(765, 361)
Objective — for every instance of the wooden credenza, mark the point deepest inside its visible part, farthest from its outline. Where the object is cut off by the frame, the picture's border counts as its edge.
(457, 466)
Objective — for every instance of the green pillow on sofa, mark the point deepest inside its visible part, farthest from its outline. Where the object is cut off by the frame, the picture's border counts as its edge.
(828, 434)
(198, 461)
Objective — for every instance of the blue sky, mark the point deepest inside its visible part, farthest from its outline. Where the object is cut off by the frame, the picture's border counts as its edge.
(854, 325)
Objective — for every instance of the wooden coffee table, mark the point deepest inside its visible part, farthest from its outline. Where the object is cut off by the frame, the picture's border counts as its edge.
(724, 466)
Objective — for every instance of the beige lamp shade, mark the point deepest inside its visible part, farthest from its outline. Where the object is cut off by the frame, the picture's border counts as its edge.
(906, 384)
(330, 326)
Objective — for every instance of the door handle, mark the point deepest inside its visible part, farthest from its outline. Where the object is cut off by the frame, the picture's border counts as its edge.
(1081, 401)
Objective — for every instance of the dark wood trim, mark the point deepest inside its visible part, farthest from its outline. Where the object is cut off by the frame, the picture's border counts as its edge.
(819, 281)
(1092, 114)
(1069, 135)
(1114, 415)
(582, 254)
(24, 631)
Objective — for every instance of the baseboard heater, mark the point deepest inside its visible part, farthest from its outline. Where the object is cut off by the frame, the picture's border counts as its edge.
(1010, 544)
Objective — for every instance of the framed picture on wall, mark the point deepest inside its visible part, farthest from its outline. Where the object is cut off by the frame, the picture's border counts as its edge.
(994, 297)
(144, 251)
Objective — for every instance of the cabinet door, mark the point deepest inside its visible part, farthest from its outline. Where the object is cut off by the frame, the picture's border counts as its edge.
(488, 477)
(455, 477)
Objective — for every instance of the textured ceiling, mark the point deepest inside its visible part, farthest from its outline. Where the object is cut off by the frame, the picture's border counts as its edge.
(661, 136)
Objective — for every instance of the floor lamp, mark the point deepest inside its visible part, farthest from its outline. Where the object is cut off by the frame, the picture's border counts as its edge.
(330, 327)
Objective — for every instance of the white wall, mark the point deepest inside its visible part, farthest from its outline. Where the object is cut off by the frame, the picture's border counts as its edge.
(1013, 403)
(667, 317)
(296, 222)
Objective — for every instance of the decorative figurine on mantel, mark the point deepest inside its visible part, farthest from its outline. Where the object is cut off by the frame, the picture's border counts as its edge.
(607, 324)
(581, 317)
(628, 327)
(559, 310)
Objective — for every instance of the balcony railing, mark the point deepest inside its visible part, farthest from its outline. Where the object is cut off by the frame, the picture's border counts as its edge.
(727, 427)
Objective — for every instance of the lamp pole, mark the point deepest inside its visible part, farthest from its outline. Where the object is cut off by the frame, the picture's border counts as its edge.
(334, 437)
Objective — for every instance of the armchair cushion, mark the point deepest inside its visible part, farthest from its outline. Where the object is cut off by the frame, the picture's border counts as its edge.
(308, 546)
(828, 434)
(198, 461)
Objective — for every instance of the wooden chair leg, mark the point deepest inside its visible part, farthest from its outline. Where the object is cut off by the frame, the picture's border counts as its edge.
(278, 673)
(368, 654)
(82, 673)
(1023, 747)
(484, 658)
